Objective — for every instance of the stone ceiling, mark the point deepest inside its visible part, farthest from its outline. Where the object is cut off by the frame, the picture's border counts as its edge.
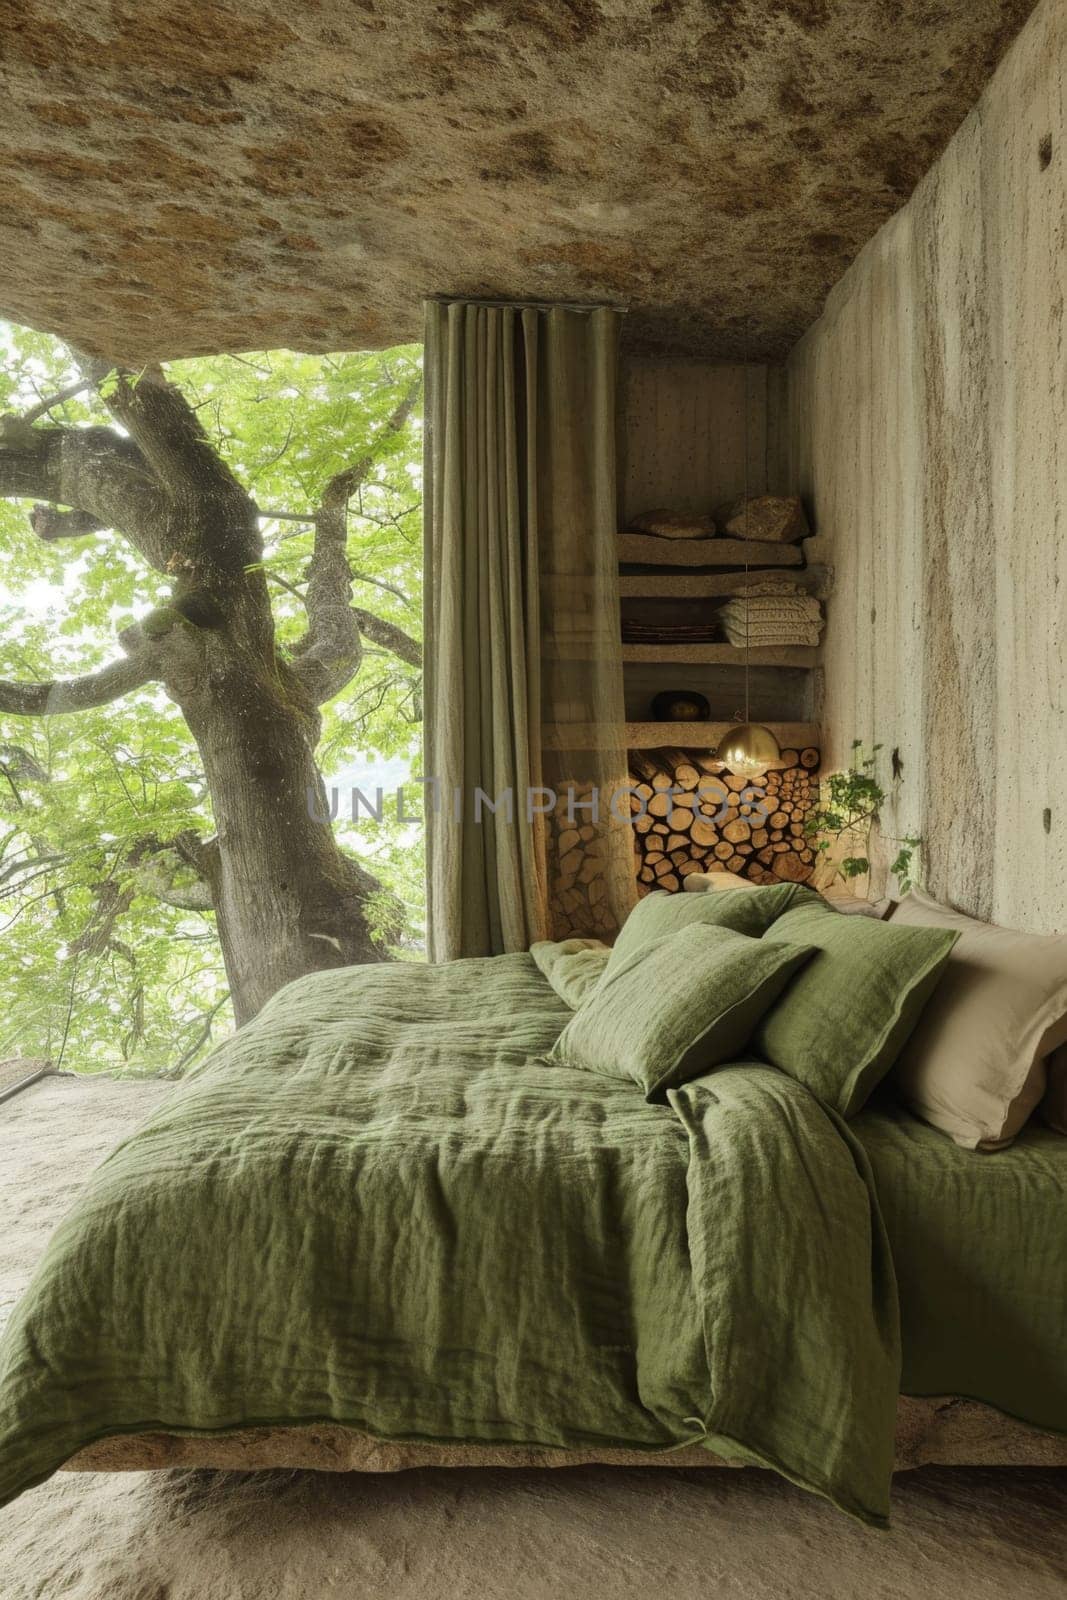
(187, 176)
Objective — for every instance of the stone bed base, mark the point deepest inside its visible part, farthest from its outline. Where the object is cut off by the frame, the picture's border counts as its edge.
(941, 1431)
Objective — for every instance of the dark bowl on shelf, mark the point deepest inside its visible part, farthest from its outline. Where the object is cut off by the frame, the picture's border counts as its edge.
(680, 705)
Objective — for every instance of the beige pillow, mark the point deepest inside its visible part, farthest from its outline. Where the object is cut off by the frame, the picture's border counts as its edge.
(702, 882)
(1054, 1105)
(976, 1064)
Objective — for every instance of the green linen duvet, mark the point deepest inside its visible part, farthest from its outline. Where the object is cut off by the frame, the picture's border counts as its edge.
(378, 1204)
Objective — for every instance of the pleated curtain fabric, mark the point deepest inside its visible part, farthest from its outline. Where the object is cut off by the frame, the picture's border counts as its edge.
(524, 722)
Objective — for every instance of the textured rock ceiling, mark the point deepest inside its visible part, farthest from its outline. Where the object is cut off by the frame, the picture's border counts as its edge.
(189, 175)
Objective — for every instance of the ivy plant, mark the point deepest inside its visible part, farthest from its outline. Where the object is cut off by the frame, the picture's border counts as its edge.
(850, 803)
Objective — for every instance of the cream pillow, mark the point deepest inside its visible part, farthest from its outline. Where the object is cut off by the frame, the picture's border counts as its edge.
(976, 1064)
(701, 882)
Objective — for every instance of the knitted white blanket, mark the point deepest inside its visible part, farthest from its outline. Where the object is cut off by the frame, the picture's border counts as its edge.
(772, 633)
(774, 608)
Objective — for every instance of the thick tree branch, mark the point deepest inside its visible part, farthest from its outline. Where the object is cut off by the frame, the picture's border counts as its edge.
(50, 524)
(217, 544)
(96, 471)
(389, 635)
(330, 651)
(59, 695)
(168, 433)
(329, 654)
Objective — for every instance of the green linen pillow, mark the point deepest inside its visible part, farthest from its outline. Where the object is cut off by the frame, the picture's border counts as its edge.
(677, 1007)
(573, 967)
(841, 1026)
(748, 911)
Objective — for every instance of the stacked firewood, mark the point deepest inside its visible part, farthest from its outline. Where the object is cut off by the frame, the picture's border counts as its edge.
(579, 901)
(690, 816)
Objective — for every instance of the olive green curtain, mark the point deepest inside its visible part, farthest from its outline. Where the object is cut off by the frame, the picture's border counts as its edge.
(524, 706)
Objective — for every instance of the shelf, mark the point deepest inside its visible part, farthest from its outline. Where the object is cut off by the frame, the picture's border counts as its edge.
(708, 735)
(723, 655)
(717, 585)
(646, 549)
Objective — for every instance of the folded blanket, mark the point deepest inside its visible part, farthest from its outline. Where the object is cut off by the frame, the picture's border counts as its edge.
(774, 608)
(668, 632)
(769, 633)
(379, 1205)
(772, 620)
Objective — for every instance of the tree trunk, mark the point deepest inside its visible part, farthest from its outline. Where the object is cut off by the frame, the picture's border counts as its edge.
(288, 900)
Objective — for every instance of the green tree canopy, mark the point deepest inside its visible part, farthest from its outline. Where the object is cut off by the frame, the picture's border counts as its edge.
(109, 951)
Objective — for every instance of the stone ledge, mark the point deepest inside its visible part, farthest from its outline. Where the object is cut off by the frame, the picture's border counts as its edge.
(930, 1432)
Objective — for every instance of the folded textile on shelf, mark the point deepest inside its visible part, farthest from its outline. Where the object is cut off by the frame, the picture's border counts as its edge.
(668, 632)
(763, 633)
(772, 620)
(774, 608)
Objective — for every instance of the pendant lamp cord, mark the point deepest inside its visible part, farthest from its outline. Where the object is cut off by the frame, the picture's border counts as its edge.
(748, 602)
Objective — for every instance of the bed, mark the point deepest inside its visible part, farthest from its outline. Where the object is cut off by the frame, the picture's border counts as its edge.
(378, 1228)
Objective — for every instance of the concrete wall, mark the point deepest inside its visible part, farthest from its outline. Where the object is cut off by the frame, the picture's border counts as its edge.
(682, 433)
(927, 425)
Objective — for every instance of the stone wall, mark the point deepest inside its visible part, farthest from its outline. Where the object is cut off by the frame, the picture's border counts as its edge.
(927, 426)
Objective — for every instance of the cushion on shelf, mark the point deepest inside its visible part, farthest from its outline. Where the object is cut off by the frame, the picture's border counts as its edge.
(674, 525)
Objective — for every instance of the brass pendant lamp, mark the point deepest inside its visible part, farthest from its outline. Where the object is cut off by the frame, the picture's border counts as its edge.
(748, 749)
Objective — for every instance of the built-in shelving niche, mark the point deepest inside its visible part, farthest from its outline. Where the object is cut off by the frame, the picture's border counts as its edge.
(782, 685)
(693, 435)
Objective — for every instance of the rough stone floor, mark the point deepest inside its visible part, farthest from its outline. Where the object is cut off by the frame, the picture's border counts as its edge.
(594, 1533)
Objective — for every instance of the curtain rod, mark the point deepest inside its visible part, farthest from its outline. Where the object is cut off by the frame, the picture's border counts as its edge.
(529, 305)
